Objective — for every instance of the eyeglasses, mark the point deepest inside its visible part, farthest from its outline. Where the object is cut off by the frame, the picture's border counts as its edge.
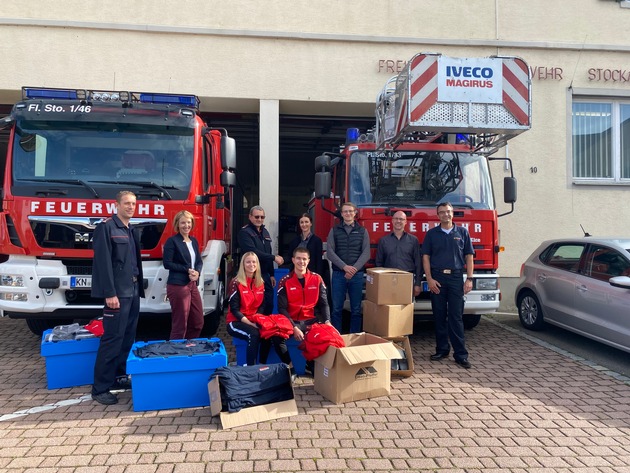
(259, 217)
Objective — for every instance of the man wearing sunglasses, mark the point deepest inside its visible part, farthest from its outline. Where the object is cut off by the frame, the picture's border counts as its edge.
(255, 237)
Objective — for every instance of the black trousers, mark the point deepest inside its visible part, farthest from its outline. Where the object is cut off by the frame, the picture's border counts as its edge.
(448, 310)
(119, 334)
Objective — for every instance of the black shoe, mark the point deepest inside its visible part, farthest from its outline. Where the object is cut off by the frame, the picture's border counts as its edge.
(464, 364)
(124, 382)
(105, 398)
(438, 356)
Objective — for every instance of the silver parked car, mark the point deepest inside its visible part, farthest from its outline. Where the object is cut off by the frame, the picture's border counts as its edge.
(582, 285)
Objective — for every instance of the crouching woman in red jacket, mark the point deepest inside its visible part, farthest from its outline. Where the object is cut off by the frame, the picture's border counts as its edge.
(246, 296)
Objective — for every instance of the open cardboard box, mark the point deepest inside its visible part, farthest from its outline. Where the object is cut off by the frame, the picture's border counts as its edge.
(248, 415)
(403, 342)
(360, 370)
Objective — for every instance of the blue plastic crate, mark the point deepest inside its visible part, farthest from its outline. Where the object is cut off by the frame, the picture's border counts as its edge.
(278, 273)
(69, 362)
(172, 382)
(299, 363)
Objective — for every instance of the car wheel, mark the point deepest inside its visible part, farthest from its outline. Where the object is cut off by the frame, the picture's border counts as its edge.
(529, 311)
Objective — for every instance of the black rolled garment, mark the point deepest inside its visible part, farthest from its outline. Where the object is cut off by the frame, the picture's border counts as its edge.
(247, 386)
(177, 348)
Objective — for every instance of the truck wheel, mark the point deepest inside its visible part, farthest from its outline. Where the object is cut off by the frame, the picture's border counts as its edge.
(39, 326)
(213, 319)
(471, 321)
(529, 311)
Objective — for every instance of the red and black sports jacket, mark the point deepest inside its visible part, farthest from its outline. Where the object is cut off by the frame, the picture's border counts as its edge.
(244, 300)
(299, 301)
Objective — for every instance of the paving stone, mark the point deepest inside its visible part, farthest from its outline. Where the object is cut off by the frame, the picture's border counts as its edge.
(522, 409)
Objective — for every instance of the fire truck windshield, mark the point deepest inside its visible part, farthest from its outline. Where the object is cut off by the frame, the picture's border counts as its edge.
(96, 155)
(420, 178)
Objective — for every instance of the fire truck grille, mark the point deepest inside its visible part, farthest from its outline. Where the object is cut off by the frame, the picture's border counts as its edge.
(78, 233)
(79, 270)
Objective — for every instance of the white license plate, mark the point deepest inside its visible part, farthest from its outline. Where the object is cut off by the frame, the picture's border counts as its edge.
(80, 281)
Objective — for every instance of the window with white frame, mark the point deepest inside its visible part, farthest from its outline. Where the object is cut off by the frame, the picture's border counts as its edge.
(601, 141)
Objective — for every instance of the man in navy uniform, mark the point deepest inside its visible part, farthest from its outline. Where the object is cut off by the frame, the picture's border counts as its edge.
(448, 254)
(255, 237)
(117, 278)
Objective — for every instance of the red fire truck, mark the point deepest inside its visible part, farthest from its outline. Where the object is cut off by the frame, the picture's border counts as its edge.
(69, 153)
(438, 123)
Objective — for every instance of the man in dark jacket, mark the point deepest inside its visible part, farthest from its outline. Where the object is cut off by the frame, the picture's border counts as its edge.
(117, 278)
(255, 237)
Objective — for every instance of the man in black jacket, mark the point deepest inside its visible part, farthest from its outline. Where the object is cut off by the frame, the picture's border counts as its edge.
(117, 278)
(255, 237)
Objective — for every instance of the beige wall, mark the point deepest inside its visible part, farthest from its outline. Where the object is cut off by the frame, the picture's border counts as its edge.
(322, 58)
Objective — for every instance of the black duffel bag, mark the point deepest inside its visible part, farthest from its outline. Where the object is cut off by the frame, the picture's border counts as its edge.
(246, 386)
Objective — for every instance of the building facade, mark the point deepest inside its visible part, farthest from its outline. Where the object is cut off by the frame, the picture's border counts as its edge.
(288, 75)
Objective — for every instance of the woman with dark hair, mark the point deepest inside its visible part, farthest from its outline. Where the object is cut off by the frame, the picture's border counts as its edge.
(183, 261)
(307, 239)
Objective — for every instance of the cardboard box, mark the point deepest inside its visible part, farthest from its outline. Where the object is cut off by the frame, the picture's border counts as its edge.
(297, 356)
(360, 370)
(249, 415)
(387, 320)
(172, 382)
(69, 362)
(389, 286)
(398, 366)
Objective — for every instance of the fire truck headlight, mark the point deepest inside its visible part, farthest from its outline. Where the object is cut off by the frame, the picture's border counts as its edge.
(14, 296)
(11, 280)
(486, 284)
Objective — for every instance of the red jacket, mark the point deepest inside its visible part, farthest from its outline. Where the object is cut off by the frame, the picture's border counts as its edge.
(274, 325)
(247, 298)
(301, 301)
(318, 339)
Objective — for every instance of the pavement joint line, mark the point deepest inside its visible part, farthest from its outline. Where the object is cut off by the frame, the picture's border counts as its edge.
(602, 369)
(50, 407)
(46, 407)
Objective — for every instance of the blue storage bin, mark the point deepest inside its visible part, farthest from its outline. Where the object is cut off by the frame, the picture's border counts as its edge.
(278, 274)
(69, 362)
(175, 381)
(299, 363)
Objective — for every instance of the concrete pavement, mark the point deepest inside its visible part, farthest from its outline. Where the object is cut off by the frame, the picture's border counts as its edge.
(522, 408)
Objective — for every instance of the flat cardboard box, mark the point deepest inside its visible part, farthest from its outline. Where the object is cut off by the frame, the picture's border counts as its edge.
(249, 415)
(389, 286)
(387, 320)
(404, 343)
(360, 370)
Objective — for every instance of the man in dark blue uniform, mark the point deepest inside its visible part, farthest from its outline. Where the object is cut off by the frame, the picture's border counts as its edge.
(255, 237)
(447, 254)
(117, 278)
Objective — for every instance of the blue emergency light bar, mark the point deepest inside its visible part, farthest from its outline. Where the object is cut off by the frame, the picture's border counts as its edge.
(109, 96)
(60, 94)
(188, 100)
